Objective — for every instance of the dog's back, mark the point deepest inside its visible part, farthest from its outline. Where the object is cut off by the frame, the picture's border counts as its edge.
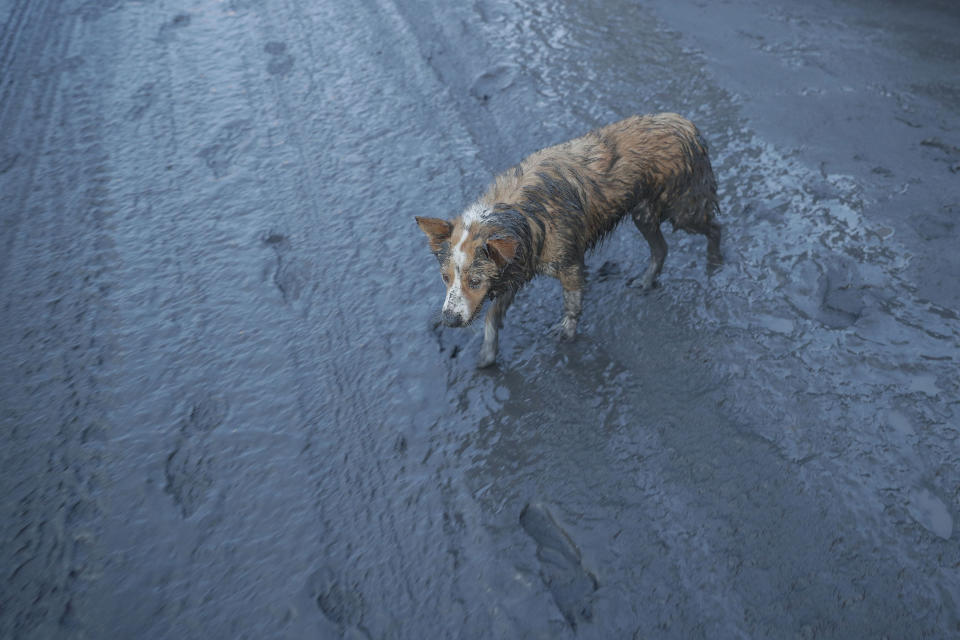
(576, 192)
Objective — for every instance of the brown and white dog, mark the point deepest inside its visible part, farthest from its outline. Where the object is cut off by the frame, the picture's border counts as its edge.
(542, 216)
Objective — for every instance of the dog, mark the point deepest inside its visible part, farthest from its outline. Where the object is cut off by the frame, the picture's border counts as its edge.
(542, 216)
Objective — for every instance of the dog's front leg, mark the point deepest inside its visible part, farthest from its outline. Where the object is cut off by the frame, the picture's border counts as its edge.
(491, 328)
(572, 280)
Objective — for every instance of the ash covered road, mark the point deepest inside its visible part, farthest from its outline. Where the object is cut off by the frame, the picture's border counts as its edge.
(224, 413)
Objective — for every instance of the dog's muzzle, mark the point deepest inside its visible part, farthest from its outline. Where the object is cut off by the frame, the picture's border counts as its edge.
(451, 318)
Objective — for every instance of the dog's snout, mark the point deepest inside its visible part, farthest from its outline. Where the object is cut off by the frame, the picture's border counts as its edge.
(451, 318)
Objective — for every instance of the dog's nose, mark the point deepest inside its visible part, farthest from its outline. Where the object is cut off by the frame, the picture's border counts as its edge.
(450, 318)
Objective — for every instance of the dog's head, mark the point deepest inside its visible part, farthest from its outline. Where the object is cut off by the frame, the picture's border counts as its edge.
(472, 256)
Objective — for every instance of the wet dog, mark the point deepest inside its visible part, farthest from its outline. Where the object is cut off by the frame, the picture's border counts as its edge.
(542, 216)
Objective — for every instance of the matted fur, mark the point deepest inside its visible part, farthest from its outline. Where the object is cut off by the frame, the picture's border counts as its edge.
(542, 216)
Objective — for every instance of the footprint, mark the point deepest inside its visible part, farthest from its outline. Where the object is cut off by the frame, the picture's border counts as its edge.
(8, 158)
(93, 433)
(141, 100)
(189, 475)
(930, 512)
(341, 604)
(570, 584)
(276, 240)
(82, 514)
(188, 468)
(493, 81)
(294, 278)
(280, 62)
(230, 140)
(241, 6)
(168, 29)
(206, 414)
(842, 303)
(96, 9)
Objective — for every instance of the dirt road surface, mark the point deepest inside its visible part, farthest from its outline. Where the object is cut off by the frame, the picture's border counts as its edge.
(225, 413)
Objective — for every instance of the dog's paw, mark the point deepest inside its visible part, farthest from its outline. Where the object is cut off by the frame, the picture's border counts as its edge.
(486, 359)
(714, 262)
(644, 285)
(564, 331)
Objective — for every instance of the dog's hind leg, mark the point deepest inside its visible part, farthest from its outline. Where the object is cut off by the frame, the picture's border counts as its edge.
(572, 280)
(649, 226)
(713, 233)
(708, 227)
(491, 328)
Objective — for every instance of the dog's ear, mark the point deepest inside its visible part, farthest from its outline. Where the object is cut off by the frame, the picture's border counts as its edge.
(437, 230)
(503, 250)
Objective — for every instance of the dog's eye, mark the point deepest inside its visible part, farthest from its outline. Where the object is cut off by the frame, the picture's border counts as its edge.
(474, 283)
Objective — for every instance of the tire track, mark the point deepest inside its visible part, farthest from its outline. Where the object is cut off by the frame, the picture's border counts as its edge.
(20, 15)
(211, 484)
(60, 330)
(36, 36)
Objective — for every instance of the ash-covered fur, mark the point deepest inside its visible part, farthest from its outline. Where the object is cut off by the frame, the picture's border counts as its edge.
(542, 216)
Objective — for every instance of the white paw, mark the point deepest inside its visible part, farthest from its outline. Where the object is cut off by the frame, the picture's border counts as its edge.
(565, 330)
(487, 358)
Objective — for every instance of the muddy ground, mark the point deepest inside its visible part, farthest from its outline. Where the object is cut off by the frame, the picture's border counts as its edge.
(225, 413)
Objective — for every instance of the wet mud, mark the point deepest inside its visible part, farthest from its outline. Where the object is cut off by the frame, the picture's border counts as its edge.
(226, 411)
